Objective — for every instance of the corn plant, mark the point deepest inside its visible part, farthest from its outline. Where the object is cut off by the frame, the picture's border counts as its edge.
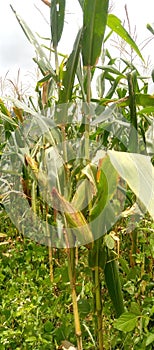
(78, 157)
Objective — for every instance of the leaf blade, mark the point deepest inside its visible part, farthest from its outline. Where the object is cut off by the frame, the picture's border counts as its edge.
(57, 15)
(94, 23)
(138, 172)
(114, 23)
(126, 322)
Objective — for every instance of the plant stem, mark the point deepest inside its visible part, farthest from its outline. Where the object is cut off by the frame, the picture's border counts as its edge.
(98, 300)
(49, 247)
(133, 136)
(71, 272)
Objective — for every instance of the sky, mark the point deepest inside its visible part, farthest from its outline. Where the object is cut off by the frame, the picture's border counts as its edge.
(17, 53)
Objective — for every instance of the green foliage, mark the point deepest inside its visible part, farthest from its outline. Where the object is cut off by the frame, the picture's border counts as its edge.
(68, 158)
(94, 24)
(114, 23)
(57, 14)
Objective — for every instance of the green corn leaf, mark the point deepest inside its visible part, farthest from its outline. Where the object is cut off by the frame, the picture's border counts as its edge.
(57, 15)
(145, 100)
(94, 25)
(81, 2)
(8, 119)
(138, 172)
(146, 110)
(32, 39)
(106, 179)
(126, 322)
(112, 280)
(3, 109)
(114, 23)
(69, 74)
(83, 195)
(109, 68)
(149, 27)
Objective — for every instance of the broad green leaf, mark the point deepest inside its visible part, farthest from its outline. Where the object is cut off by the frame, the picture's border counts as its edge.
(126, 322)
(109, 241)
(135, 309)
(69, 74)
(94, 25)
(57, 14)
(114, 23)
(40, 53)
(150, 339)
(138, 172)
(83, 306)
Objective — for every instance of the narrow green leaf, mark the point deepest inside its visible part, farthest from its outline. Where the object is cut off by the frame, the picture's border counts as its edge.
(8, 119)
(94, 25)
(90, 171)
(149, 27)
(126, 322)
(109, 68)
(114, 23)
(145, 100)
(138, 172)
(83, 195)
(3, 109)
(57, 15)
(146, 110)
(69, 74)
(32, 39)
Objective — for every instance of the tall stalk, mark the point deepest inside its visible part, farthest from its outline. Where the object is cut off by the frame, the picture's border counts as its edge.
(50, 251)
(98, 298)
(133, 136)
(72, 278)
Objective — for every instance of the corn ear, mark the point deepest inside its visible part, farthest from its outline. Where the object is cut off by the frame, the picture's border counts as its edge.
(74, 218)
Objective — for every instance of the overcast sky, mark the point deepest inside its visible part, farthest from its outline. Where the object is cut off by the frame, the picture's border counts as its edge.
(15, 50)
